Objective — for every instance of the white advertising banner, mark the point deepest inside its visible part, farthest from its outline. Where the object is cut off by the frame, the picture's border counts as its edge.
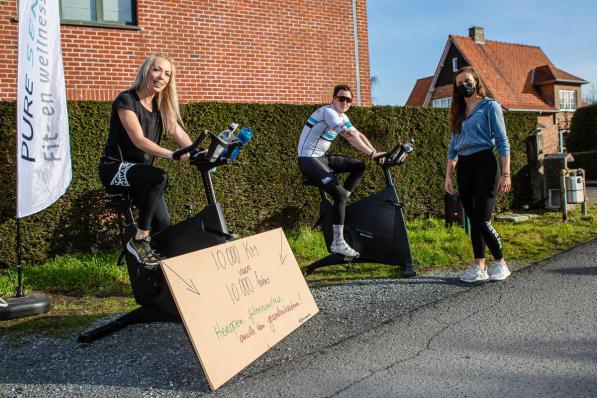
(43, 148)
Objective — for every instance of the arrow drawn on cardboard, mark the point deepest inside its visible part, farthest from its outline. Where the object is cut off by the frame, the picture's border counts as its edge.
(282, 257)
(190, 286)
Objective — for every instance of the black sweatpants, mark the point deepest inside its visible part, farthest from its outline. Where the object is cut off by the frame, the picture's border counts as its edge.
(322, 171)
(477, 175)
(146, 184)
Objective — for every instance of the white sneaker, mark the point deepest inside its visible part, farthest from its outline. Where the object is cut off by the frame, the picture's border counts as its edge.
(343, 249)
(474, 274)
(498, 272)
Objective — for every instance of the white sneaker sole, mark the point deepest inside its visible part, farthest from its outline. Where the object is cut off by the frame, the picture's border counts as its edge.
(345, 254)
(474, 280)
(499, 277)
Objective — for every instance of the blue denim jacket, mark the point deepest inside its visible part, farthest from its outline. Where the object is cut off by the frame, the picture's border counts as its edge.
(482, 129)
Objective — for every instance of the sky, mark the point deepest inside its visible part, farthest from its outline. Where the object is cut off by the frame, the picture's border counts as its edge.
(407, 38)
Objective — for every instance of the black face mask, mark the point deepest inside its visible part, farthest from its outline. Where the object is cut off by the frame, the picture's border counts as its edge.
(466, 89)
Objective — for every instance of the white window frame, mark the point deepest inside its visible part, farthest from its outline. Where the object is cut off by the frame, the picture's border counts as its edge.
(568, 100)
(99, 15)
(455, 64)
(441, 102)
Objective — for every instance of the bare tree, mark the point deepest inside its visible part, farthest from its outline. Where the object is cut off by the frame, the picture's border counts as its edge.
(590, 96)
(374, 84)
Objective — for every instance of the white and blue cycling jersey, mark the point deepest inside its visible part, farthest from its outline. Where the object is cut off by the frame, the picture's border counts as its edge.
(321, 129)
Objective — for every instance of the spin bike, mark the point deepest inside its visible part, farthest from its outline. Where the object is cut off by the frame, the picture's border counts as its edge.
(207, 228)
(374, 226)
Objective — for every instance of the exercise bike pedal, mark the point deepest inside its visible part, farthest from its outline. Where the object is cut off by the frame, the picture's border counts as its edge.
(151, 267)
(344, 258)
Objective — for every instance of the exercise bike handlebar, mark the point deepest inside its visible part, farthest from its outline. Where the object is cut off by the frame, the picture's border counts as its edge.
(388, 154)
(181, 151)
(397, 155)
(218, 152)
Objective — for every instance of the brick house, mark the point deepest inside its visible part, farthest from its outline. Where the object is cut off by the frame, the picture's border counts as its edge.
(261, 51)
(519, 76)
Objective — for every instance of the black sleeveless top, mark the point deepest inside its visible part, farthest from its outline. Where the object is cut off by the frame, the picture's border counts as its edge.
(119, 146)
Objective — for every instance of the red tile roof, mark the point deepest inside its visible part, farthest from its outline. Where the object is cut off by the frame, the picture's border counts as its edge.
(507, 71)
(419, 92)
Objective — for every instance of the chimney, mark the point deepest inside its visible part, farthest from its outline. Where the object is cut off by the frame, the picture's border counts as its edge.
(477, 33)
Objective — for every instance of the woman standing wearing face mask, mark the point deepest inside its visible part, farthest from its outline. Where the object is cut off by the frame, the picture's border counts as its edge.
(477, 125)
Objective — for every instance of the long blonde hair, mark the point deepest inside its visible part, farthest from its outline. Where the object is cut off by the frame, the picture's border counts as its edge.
(167, 99)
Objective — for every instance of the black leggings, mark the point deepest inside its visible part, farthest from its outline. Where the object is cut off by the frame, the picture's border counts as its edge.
(477, 175)
(146, 184)
(321, 171)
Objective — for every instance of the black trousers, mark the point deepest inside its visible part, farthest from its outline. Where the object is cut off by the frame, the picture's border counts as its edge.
(146, 184)
(322, 171)
(477, 176)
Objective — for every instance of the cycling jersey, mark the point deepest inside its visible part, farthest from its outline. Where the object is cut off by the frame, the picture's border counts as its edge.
(321, 129)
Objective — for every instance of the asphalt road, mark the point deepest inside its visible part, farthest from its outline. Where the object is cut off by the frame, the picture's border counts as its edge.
(533, 335)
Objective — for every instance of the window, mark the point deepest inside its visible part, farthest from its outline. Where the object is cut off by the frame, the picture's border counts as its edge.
(108, 11)
(455, 64)
(567, 100)
(442, 102)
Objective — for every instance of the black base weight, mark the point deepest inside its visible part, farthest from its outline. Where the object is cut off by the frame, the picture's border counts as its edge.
(19, 307)
(140, 315)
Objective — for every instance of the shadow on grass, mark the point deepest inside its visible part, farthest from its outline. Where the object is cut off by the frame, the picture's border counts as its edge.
(56, 326)
(68, 315)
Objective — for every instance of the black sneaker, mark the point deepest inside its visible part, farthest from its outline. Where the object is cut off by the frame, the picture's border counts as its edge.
(143, 252)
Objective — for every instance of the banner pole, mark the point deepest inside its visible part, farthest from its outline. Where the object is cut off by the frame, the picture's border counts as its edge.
(20, 291)
(34, 87)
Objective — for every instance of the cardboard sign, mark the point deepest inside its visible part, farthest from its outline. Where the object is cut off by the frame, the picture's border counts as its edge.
(239, 299)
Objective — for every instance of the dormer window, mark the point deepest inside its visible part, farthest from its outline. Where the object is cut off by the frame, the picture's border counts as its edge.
(567, 100)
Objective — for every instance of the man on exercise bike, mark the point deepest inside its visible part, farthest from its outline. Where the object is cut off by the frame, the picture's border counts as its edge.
(320, 130)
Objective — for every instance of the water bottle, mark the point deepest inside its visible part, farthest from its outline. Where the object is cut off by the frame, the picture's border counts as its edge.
(244, 136)
(405, 151)
(226, 136)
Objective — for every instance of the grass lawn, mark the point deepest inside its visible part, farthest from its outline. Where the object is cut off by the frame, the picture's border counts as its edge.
(84, 287)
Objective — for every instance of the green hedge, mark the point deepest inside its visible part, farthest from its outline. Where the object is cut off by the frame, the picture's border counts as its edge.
(259, 191)
(583, 130)
(582, 142)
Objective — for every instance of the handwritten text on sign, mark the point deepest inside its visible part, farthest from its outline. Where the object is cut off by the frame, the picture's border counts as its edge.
(251, 294)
